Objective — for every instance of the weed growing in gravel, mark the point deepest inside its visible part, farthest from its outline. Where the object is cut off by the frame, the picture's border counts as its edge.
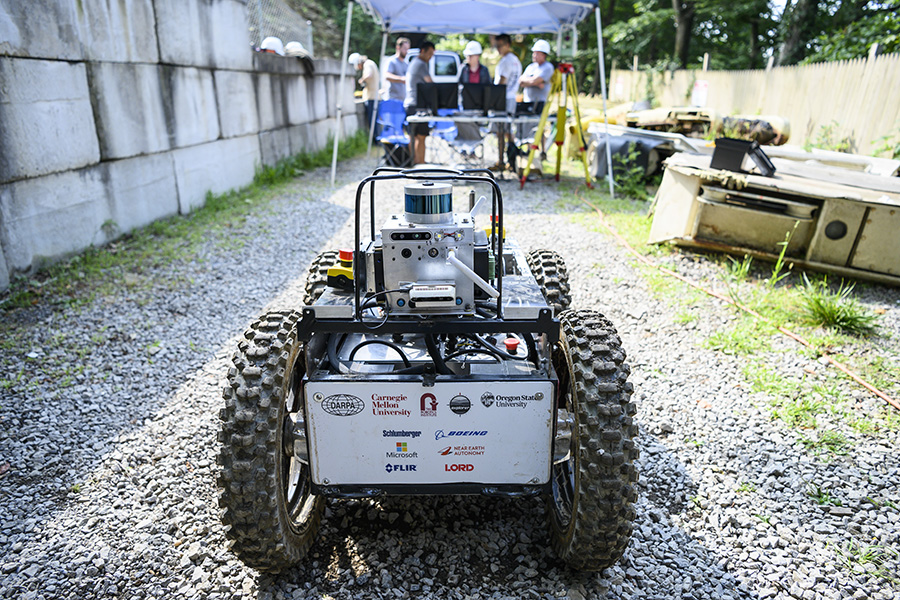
(858, 557)
(821, 496)
(830, 441)
(747, 336)
(778, 271)
(745, 487)
(686, 316)
(101, 270)
(739, 271)
(837, 310)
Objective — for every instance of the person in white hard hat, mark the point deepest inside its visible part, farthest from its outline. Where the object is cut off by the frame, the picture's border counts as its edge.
(295, 49)
(369, 81)
(272, 45)
(473, 71)
(535, 80)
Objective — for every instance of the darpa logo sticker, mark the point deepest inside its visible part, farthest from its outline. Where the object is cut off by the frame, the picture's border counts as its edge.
(343, 405)
(392, 468)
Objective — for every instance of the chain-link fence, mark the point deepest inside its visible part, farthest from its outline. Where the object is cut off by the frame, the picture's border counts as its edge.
(275, 18)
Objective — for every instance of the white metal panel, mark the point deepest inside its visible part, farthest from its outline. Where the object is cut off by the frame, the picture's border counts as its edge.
(403, 433)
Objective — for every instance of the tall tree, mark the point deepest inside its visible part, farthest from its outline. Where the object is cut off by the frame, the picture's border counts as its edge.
(798, 26)
(685, 11)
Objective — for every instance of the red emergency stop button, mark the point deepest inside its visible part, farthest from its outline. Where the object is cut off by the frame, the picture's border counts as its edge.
(512, 344)
(346, 256)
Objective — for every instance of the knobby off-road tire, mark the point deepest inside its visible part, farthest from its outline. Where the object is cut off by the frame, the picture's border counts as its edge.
(549, 269)
(317, 276)
(591, 510)
(271, 517)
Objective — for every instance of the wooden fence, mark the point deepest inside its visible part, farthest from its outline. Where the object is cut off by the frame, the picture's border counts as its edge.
(857, 100)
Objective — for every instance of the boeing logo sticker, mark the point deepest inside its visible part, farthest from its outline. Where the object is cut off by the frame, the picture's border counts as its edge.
(440, 434)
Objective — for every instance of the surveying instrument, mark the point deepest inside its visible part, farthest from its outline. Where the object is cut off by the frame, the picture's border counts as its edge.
(562, 86)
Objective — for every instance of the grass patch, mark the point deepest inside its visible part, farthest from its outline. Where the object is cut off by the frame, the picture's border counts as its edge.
(872, 559)
(836, 310)
(746, 336)
(830, 441)
(100, 270)
(821, 496)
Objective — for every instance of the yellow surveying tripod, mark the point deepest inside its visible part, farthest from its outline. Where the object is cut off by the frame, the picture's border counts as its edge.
(562, 82)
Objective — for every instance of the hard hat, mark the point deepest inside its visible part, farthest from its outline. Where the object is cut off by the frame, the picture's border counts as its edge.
(472, 48)
(273, 44)
(295, 49)
(541, 46)
(354, 59)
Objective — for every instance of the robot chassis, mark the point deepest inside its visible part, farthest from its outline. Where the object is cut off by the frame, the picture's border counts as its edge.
(436, 357)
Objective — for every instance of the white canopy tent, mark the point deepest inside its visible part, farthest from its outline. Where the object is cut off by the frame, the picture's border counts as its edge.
(443, 17)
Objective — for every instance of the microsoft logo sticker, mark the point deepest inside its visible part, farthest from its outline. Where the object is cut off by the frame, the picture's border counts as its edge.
(401, 446)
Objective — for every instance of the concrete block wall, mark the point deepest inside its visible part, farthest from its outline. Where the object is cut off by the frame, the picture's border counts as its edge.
(116, 114)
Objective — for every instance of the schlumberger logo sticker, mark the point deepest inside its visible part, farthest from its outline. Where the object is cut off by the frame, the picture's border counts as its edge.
(343, 405)
(400, 433)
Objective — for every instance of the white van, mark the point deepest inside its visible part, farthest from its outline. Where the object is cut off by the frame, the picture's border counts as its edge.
(443, 66)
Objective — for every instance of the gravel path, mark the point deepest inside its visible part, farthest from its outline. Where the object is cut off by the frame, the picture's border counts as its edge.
(109, 417)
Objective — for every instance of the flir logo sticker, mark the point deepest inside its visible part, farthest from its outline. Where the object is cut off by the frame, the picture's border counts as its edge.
(393, 468)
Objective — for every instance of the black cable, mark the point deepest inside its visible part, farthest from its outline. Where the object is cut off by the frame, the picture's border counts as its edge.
(473, 351)
(391, 345)
(332, 350)
(439, 365)
(382, 292)
(499, 352)
(532, 348)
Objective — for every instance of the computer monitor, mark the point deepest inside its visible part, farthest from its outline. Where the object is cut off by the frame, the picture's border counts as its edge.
(495, 98)
(484, 97)
(434, 96)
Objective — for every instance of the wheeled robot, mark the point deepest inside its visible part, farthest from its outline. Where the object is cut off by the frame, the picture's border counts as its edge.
(435, 357)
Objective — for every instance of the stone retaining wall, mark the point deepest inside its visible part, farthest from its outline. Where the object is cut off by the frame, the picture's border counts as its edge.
(116, 114)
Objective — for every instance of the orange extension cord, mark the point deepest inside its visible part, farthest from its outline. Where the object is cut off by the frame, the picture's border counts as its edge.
(747, 309)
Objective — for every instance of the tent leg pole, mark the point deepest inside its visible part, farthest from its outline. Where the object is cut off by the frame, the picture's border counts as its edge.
(384, 37)
(337, 128)
(609, 170)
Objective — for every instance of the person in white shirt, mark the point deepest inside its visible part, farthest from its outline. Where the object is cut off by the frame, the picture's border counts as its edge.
(369, 81)
(507, 73)
(535, 82)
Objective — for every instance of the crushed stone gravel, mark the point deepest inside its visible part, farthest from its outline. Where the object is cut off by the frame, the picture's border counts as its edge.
(108, 441)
